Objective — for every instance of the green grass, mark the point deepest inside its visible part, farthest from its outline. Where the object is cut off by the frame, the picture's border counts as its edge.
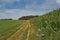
(46, 25)
(8, 27)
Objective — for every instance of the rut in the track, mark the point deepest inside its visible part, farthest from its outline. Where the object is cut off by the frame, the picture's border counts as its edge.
(20, 31)
(28, 34)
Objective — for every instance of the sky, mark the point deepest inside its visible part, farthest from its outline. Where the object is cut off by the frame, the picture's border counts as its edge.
(17, 8)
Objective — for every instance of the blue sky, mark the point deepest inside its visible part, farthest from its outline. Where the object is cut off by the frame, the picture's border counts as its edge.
(17, 8)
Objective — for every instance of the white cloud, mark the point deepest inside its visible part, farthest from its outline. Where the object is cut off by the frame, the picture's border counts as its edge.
(58, 1)
(16, 13)
(48, 4)
(2, 15)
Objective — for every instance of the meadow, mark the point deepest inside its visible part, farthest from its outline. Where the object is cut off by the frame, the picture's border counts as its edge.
(8, 27)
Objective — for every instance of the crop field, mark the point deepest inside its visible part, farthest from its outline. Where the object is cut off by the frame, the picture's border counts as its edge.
(44, 30)
(45, 27)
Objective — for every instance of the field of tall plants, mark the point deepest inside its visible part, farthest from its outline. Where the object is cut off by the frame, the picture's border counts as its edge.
(47, 27)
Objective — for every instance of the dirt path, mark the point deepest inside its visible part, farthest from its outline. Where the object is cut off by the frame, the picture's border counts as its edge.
(20, 31)
(28, 34)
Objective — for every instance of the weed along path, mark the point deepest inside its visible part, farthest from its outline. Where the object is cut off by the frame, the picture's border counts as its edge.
(19, 33)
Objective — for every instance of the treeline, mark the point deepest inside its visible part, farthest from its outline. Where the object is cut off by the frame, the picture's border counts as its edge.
(6, 19)
(22, 18)
(26, 17)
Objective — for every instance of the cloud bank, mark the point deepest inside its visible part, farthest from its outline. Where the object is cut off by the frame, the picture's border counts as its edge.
(18, 8)
(16, 13)
(58, 1)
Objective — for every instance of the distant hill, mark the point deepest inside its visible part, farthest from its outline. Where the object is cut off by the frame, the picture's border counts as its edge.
(27, 17)
(6, 19)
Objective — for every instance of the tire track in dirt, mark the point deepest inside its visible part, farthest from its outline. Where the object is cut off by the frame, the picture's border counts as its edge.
(28, 34)
(20, 36)
(18, 33)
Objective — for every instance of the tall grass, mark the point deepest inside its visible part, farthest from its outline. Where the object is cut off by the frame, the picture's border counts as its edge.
(49, 25)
